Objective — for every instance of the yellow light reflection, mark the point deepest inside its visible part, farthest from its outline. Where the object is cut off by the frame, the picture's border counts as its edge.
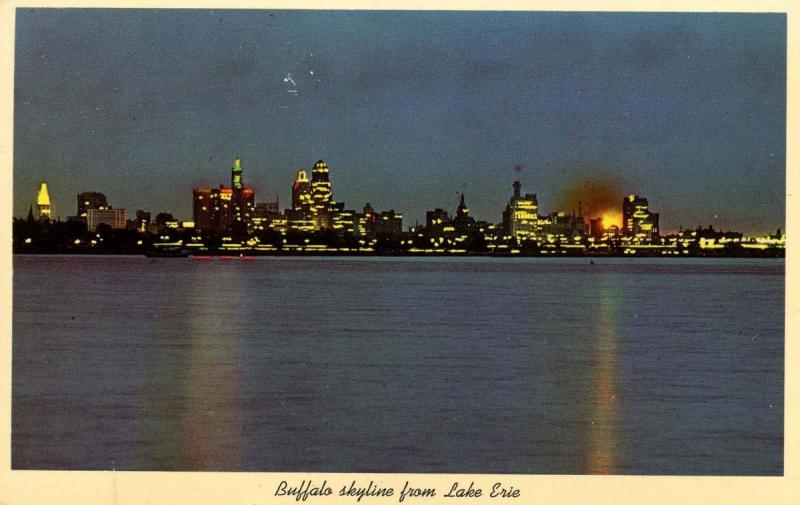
(603, 432)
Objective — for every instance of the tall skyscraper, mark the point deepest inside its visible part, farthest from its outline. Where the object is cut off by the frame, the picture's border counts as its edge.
(43, 203)
(224, 209)
(521, 217)
(321, 195)
(301, 192)
(236, 174)
(638, 223)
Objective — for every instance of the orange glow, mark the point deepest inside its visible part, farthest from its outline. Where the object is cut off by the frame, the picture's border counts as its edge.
(611, 217)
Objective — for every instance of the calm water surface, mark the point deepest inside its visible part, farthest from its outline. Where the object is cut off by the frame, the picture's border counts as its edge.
(399, 365)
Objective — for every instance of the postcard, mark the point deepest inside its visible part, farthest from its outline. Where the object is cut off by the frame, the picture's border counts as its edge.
(280, 254)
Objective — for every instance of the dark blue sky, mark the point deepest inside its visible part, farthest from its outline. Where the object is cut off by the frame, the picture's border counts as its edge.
(407, 108)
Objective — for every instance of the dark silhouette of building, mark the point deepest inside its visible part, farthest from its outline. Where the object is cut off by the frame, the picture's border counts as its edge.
(267, 209)
(435, 222)
(142, 222)
(91, 200)
(164, 219)
(596, 228)
(463, 223)
(384, 223)
(710, 233)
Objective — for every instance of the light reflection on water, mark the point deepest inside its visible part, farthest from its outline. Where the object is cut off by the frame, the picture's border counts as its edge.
(194, 392)
(605, 416)
(450, 365)
(213, 412)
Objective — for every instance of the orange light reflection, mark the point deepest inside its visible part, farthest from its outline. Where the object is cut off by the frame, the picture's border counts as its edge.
(603, 436)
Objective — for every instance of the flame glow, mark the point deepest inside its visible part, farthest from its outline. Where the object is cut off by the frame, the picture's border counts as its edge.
(598, 197)
(611, 217)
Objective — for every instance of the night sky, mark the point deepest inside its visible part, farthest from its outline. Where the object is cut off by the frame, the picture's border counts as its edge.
(407, 108)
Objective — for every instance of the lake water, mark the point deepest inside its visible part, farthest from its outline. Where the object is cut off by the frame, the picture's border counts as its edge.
(453, 365)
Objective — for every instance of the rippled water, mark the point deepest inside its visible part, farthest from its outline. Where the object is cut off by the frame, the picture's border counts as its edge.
(450, 365)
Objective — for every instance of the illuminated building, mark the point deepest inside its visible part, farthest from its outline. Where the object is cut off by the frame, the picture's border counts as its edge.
(267, 213)
(242, 201)
(346, 222)
(224, 209)
(244, 205)
(384, 223)
(562, 225)
(370, 220)
(236, 174)
(313, 207)
(521, 216)
(90, 200)
(115, 218)
(298, 220)
(638, 223)
(43, 203)
(301, 192)
(321, 195)
(212, 208)
(436, 221)
(300, 216)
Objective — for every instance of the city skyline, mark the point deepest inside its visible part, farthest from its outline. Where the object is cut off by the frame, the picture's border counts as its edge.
(688, 109)
(609, 212)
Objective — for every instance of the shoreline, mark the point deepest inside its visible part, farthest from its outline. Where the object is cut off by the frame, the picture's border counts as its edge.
(354, 254)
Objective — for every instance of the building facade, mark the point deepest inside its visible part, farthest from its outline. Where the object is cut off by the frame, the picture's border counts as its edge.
(321, 195)
(521, 216)
(563, 225)
(638, 223)
(302, 199)
(384, 223)
(436, 221)
(115, 218)
(224, 209)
